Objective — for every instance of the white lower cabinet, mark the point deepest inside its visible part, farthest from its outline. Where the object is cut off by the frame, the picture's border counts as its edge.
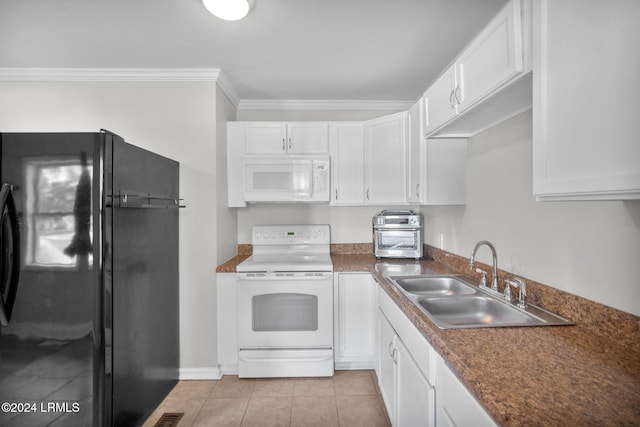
(408, 396)
(415, 396)
(455, 406)
(404, 369)
(354, 321)
(417, 387)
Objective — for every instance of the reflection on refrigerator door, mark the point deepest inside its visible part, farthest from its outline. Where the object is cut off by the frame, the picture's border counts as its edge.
(47, 348)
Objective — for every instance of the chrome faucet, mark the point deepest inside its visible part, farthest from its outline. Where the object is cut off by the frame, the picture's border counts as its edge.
(494, 280)
(519, 284)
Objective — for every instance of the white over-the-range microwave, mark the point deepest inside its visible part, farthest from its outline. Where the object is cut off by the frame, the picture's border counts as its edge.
(300, 178)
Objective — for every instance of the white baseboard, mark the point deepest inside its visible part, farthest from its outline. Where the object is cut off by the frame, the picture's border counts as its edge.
(355, 365)
(212, 373)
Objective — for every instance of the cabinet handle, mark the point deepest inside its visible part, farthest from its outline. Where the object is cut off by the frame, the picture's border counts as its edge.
(391, 349)
(367, 194)
(284, 144)
(451, 100)
(336, 194)
(418, 190)
(289, 143)
(456, 92)
(394, 356)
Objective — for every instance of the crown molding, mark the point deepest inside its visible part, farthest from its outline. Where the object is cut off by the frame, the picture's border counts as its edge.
(225, 85)
(109, 74)
(321, 104)
(191, 75)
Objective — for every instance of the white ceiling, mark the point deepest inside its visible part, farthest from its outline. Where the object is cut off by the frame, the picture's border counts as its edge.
(284, 50)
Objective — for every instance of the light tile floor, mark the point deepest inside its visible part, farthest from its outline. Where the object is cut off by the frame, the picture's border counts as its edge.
(348, 399)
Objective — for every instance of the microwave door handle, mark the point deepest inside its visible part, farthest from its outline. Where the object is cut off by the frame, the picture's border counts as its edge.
(8, 212)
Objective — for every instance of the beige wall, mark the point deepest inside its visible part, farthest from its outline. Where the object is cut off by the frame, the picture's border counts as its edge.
(589, 249)
(174, 119)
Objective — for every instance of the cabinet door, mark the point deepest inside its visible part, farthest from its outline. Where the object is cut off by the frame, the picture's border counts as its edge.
(385, 159)
(347, 163)
(415, 162)
(415, 397)
(265, 137)
(455, 406)
(493, 58)
(308, 138)
(586, 100)
(386, 364)
(440, 104)
(355, 321)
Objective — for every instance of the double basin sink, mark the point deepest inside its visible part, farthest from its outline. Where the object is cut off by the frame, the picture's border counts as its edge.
(456, 302)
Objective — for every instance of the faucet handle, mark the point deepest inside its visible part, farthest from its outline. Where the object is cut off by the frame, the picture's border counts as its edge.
(507, 289)
(483, 281)
(521, 285)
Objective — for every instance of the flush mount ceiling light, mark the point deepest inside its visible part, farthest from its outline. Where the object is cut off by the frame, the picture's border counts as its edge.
(229, 10)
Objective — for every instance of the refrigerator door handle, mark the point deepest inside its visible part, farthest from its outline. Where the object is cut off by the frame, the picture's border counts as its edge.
(10, 253)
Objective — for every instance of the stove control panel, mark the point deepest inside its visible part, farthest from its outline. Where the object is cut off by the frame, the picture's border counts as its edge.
(290, 234)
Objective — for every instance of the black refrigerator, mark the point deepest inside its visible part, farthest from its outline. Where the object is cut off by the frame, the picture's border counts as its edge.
(89, 280)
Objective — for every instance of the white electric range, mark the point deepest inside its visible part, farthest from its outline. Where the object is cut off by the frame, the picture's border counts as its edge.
(285, 303)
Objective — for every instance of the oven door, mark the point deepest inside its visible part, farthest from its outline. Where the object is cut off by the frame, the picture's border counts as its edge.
(285, 310)
(397, 243)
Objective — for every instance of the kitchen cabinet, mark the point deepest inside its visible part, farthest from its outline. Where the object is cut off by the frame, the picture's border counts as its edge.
(227, 322)
(415, 396)
(355, 321)
(368, 161)
(585, 100)
(346, 148)
(386, 369)
(436, 167)
(439, 100)
(455, 406)
(405, 374)
(496, 58)
(408, 396)
(286, 138)
(385, 160)
(418, 388)
(416, 167)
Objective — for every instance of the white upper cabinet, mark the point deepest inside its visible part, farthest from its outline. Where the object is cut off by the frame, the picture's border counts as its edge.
(368, 161)
(436, 167)
(346, 148)
(586, 100)
(492, 59)
(440, 103)
(492, 62)
(416, 173)
(286, 138)
(385, 159)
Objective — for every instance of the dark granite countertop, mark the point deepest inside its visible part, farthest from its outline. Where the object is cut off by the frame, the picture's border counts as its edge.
(582, 375)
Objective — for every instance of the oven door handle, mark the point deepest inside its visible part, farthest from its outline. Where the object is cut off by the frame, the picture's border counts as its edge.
(285, 276)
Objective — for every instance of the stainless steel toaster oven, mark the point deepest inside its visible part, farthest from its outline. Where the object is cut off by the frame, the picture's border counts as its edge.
(397, 234)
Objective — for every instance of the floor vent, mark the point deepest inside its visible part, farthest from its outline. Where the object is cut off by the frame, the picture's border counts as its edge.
(169, 419)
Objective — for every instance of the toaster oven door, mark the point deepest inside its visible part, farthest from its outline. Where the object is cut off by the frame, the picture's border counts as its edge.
(397, 243)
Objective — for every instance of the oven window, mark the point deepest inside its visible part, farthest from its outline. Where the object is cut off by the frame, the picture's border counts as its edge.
(285, 312)
(397, 239)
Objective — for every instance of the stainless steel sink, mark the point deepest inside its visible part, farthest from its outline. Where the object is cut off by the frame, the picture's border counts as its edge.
(473, 311)
(434, 285)
(455, 302)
